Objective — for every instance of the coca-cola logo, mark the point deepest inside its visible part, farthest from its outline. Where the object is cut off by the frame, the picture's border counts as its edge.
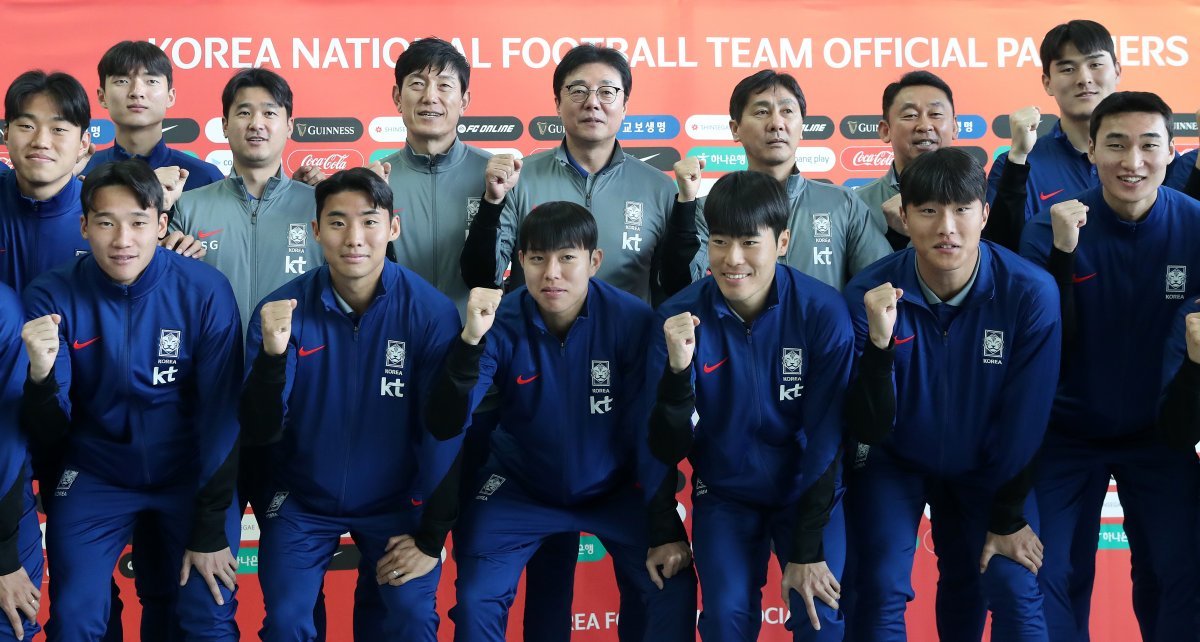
(326, 160)
(867, 159)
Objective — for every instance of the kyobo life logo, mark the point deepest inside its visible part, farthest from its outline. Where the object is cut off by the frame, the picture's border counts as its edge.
(649, 127)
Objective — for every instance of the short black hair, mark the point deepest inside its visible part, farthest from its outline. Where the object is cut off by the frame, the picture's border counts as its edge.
(558, 225)
(914, 79)
(436, 54)
(62, 89)
(1088, 37)
(587, 54)
(132, 174)
(265, 79)
(358, 179)
(130, 56)
(762, 81)
(1126, 102)
(947, 176)
(741, 203)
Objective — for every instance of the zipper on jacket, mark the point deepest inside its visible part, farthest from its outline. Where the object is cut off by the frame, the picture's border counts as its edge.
(254, 294)
(355, 420)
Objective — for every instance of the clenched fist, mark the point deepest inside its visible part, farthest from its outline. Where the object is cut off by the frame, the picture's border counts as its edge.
(481, 313)
(173, 179)
(680, 332)
(501, 174)
(1193, 336)
(1024, 124)
(1065, 219)
(277, 326)
(881, 303)
(891, 214)
(41, 342)
(687, 177)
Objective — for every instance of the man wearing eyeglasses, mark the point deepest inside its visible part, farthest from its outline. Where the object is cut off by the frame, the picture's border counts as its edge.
(640, 229)
(632, 201)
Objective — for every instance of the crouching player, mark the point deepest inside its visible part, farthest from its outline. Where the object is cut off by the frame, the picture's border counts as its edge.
(21, 558)
(567, 355)
(763, 354)
(960, 343)
(372, 335)
(138, 382)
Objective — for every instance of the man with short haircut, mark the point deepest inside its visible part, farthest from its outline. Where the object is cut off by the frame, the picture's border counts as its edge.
(566, 349)
(21, 556)
(336, 332)
(46, 131)
(632, 201)
(979, 326)
(137, 88)
(831, 233)
(437, 180)
(139, 386)
(1121, 254)
(918, 117)
(762, 353)
(253, 224)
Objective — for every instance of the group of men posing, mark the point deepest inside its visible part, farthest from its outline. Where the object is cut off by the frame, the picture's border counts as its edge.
(179, 344)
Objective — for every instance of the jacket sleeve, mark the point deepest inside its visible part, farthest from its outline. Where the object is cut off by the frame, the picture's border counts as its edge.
(490, 242)
(218, 377)
(679, 248)
(45, 413)
(864, 241)
(871, 396)
(831, 341)
(1021, 412)
(657, 479)
(812, 515)
(1179, 415)
(436, 455)
(699, 265)
(13, 451)
(1007, 193)
(263, 403)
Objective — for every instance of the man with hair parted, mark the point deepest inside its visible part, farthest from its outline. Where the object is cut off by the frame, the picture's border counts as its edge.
(46, 120)
(918, 117)
(978, 326)
(762, 353)
(566, 349)
(138, 386)
(358, 321)
(832, 237)
(1120, 254)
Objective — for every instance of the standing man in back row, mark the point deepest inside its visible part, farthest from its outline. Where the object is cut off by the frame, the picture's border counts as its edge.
(832, 237)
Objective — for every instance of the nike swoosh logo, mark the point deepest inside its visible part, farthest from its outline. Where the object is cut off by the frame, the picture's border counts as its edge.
(708, 369)
(167, 129)
(415, 501)
(649, 157)
(1081, 279)
(1045, 197)
(522, 380)
(80, 346)
(905, 340)
(305, 353)
(203, 235)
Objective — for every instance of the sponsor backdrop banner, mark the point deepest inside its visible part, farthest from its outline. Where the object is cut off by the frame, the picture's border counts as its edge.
(686, 57)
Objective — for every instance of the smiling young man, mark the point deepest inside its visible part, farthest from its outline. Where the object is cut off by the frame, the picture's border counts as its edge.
(918, 117)
(763, 354)
(565, 349)
(137, 88)
(632, 201)
(980, 326)
(46, 131)
(1121, 254)
(831, 233)
(139, 386)
(254, 224)
(373, 334)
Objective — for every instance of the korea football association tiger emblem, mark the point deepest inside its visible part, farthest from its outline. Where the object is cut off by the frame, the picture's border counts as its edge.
(297, 234)
(168, 343)
(394, 357)
(1176, 279)
(600, 373)
(993, 347)
(822, 227)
